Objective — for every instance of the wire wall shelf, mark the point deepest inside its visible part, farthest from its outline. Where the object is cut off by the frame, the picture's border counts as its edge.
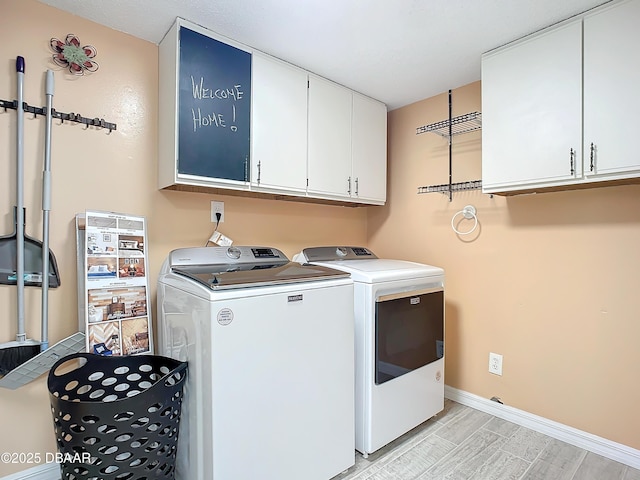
(469, 122)
(454, 187)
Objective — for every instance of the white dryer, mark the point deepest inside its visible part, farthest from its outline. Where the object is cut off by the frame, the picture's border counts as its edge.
(270, 345)
(399, 333)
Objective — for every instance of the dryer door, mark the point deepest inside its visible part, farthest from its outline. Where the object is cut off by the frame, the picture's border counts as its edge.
(409, 332)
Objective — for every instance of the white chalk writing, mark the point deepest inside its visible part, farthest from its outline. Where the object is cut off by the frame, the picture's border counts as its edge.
(200, 92)
(212, 119)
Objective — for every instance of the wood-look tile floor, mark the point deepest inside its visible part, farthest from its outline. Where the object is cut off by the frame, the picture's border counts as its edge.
(461, 443)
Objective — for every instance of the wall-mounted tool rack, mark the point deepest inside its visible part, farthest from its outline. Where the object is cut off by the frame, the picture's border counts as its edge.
(467, 123)
(63, 117)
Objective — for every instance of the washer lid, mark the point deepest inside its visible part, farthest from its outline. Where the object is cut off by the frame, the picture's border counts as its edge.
(221, 268)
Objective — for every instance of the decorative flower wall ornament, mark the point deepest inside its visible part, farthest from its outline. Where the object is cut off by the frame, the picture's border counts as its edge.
(71, 55)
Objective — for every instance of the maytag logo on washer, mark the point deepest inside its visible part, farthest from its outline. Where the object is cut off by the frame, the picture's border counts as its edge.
(294, 298)
(225, 316)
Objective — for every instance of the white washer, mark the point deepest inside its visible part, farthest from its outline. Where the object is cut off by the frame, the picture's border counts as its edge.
(399, 322)
(270, 345)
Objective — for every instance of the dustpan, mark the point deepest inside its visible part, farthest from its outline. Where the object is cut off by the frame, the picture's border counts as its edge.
(32, 260)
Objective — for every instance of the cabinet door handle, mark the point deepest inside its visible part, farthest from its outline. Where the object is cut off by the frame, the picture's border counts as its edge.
(591, 156)
(571, 157)
(258, 172)
(246, 167)
(357, 186)
(349, 185)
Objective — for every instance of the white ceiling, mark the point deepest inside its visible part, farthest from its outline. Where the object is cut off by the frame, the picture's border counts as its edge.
(397, 51)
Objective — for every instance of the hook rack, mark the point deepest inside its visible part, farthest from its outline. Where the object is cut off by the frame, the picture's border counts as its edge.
(70, 117)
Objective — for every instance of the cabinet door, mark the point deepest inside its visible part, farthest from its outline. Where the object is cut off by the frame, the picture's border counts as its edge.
(329, 138)
(611, 100)
(279, 125)
(204, 111)
(214, 107)
(369, 149)
(531, 111)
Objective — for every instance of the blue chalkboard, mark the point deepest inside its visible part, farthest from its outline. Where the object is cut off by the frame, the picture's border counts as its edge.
(214, 108)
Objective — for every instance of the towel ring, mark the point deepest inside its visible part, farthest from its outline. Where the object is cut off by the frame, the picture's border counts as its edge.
(467, 212)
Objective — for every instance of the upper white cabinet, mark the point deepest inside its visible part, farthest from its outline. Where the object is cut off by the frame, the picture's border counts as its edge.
(531, 111)
(279, 125)
(347, 144)
(559, 106)
(369, 149)
(611, 100)
(329, 152)
(233, 118)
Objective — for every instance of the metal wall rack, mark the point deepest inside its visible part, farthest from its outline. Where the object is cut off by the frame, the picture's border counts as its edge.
(70, 117)
(454, 187)
(467, 123)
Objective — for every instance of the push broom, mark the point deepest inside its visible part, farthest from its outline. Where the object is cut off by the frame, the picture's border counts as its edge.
(16, 353)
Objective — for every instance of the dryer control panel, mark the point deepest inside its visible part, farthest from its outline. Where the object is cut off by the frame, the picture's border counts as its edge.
(327, 254)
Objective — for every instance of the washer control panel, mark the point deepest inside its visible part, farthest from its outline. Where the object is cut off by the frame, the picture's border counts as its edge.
(233, 255)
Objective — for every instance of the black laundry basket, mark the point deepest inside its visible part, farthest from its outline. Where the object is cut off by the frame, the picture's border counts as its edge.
(116, 417)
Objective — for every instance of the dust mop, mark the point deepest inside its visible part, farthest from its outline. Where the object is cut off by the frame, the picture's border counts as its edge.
(46, 209)
(16, 353)
(42, 363)
(76, 342)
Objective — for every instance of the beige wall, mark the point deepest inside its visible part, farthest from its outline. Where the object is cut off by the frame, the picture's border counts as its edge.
(550, 281)
(116, 172)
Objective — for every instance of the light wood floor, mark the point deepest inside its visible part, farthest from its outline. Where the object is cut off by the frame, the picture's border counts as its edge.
(461, 443)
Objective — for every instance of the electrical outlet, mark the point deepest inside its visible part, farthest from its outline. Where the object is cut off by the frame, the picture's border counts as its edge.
(495, 363)
(217, 207)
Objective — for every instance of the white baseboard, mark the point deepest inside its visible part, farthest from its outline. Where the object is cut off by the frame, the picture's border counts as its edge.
(46, 471)
(607, 448)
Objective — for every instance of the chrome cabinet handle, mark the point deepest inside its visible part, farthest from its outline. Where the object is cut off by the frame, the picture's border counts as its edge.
(349, 186)
(258, 172)
(593, 149)
(357, 186)
(246, 168)
(571, 157)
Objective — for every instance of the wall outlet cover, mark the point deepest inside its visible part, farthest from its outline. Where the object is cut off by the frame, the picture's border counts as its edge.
(217, 207)
(495, 363)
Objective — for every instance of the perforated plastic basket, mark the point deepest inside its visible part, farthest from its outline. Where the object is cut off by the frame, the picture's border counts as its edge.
(116, 417)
